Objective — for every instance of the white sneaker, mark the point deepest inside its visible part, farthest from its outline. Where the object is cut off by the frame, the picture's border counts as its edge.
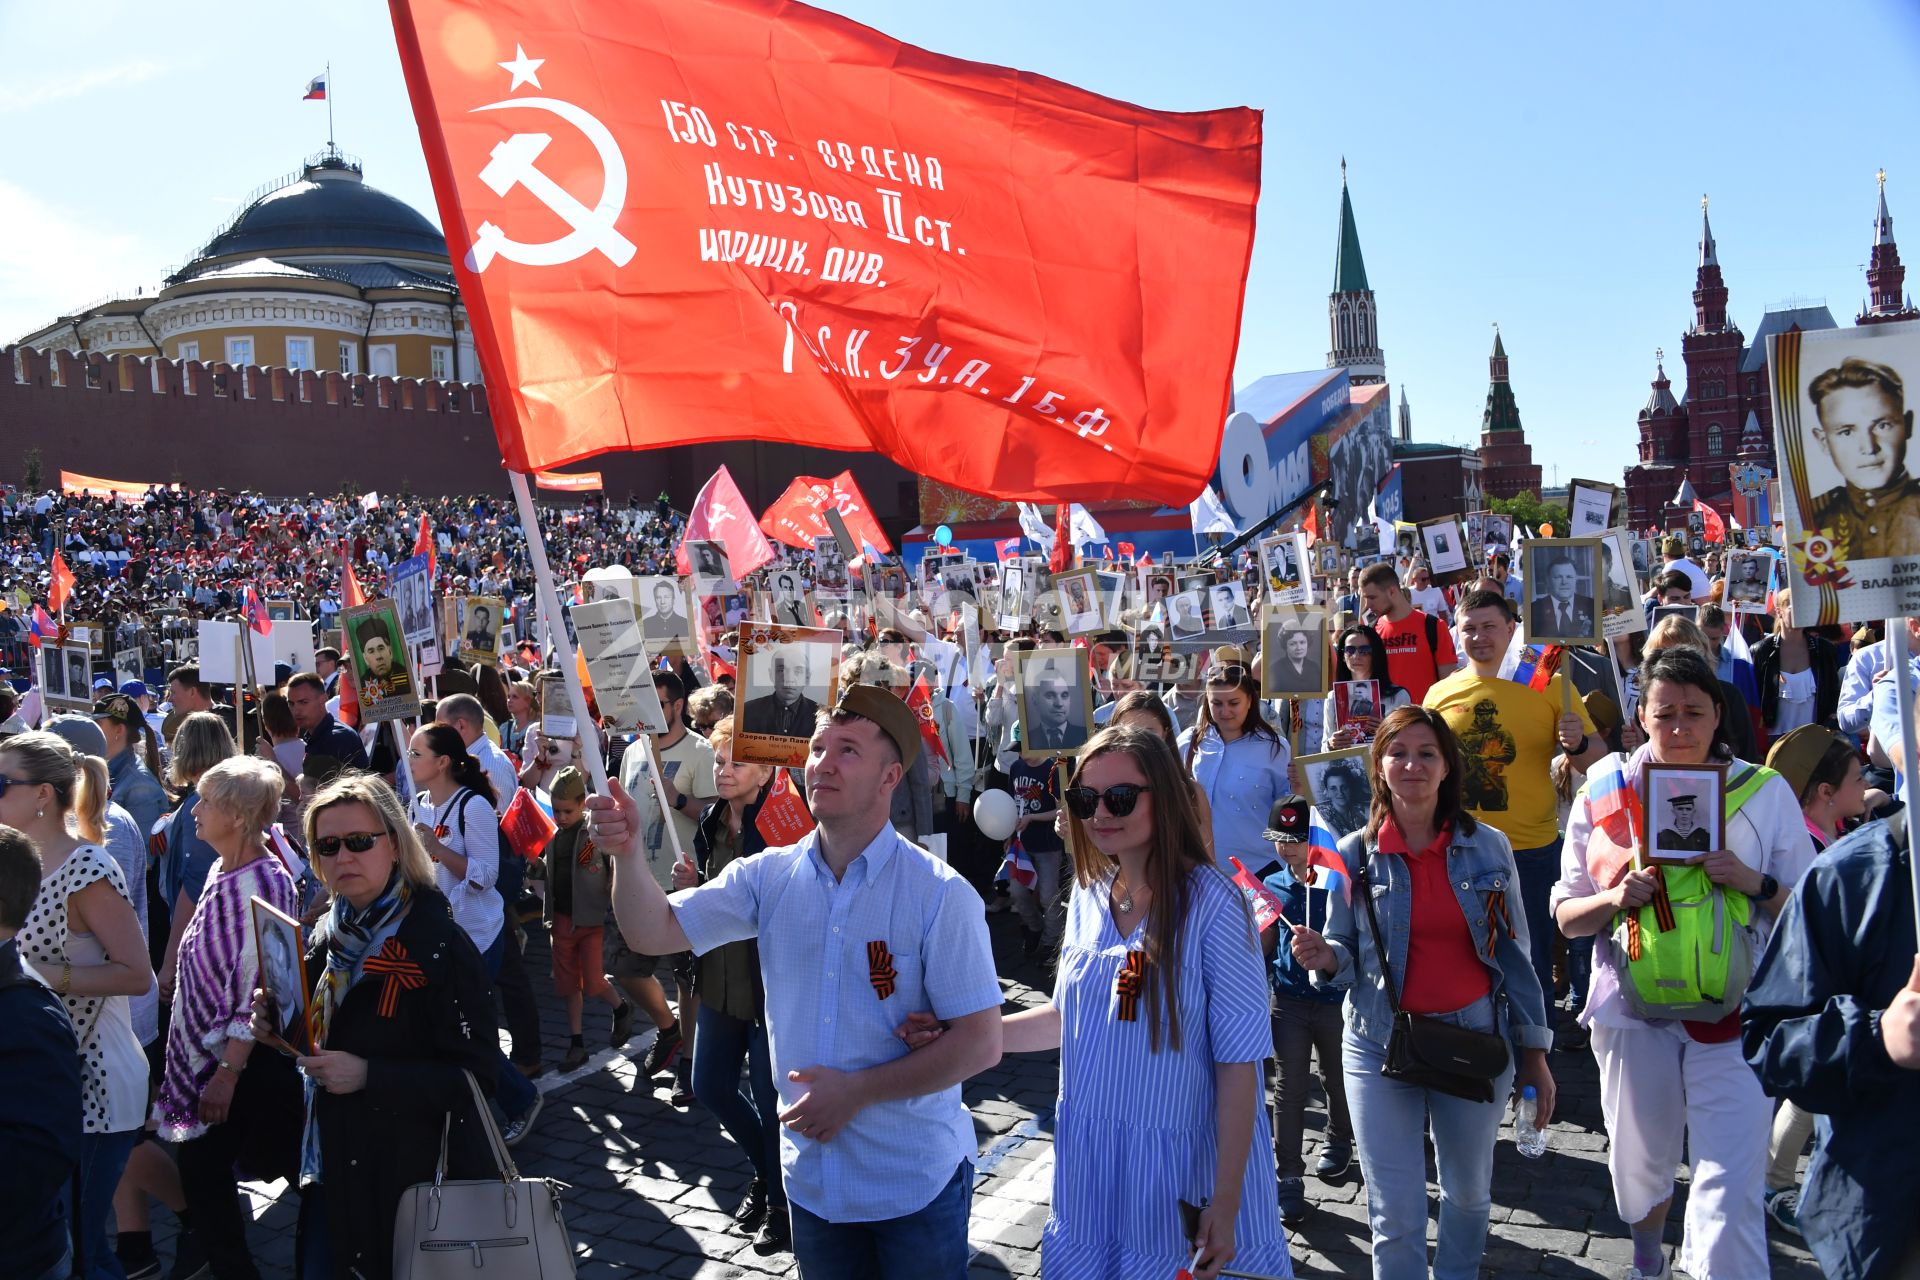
(516, 1128)
(1664, 1273)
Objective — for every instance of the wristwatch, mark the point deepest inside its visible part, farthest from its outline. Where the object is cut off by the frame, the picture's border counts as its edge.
(1768, 888)
(680, 801)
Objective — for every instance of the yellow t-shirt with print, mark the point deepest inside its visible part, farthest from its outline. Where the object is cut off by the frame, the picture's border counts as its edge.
(1508, 739)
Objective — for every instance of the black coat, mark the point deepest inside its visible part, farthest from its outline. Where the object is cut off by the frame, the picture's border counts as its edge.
(376, 1143)
(1824, 658)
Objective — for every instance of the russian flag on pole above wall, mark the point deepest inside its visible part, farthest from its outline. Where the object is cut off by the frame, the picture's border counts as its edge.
(316, 89)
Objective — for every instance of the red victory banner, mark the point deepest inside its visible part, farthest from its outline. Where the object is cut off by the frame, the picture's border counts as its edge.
(798, 516)
(678, 221)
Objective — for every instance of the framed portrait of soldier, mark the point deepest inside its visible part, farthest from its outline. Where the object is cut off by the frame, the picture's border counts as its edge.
(1329, 559)
(1562, 577)
(1355, 702)
(382, 677)
(1283, 568)
(1843, 433)
(1749, 580)
(1621, 613)
(1227, 606)
(1589, 508)
(412, 595)
(1081, 611)
(280, 943)
(1445, 542)
(280, 610)
(66, 672)
(829, 565)
(1186, 614)
(787, 675)
(1496, 530)
(666, 615)
(1406, 542)
(789, 603)
(1475, 523)
(1016, 597)
(480, 620)
(127, 666)
(1056, 702)
(1337, 784)
(1683, 804)
(712, 573)
(1293, 652)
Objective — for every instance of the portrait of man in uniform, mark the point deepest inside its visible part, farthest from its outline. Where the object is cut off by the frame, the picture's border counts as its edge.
(1683, 832)
(1684, 804)
(784, 709)
(383, 668)
(1863, 426)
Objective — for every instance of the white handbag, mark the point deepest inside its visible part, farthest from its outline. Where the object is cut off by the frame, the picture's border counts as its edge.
(507, 1227)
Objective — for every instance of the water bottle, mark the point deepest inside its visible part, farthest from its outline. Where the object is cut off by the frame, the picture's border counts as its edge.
(1527, 1136)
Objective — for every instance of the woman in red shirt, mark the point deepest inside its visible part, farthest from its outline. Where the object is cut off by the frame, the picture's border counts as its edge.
(1444, 892)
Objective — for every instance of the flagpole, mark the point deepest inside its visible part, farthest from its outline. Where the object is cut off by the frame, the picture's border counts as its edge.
(330, 146)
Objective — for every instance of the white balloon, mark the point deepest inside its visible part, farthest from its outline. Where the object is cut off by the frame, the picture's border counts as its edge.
(995, 813)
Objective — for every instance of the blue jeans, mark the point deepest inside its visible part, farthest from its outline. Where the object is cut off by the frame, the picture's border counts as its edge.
(928, 1245)
(512, 1090)
(1539, 872)
(103, 1158)
(720, 1045)
(1389, 1119)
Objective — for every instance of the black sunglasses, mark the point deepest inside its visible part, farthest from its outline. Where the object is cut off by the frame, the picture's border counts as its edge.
(1120, 799)
(356, 842)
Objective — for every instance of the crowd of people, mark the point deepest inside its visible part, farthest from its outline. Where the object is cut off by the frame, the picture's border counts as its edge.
(1421, 929)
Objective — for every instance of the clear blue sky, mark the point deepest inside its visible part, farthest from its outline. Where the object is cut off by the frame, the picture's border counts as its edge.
(1536, 165)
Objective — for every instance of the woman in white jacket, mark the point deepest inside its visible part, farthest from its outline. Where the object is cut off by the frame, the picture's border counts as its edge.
(1673, 1089)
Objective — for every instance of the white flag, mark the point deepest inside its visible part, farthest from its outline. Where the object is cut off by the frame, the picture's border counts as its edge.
(369, 501)
(1035, 526)
(1084, 527)
(1210, 515)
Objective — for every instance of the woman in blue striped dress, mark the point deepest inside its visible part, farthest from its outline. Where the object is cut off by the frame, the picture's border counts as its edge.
(1160, 1013)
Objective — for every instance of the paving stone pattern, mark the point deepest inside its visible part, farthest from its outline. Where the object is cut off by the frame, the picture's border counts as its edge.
(653, 1188)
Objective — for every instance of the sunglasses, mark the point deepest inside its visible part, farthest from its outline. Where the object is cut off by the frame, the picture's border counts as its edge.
(355, 841)
(1120, 799)
(1357, 650)
(6, 782)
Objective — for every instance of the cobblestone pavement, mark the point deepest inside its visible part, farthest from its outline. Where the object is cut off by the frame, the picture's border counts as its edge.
(653, 1188)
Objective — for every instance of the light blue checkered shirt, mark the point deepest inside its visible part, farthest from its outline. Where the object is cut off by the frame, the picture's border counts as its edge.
(823, 1008)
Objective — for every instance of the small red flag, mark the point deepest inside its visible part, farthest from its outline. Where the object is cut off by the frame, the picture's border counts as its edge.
(1063, 548)
(256, 613)
(720, 514)
(1716, 528)
(1126, 551)
(60, 585)
(349, 713)
(784, 817)
(528, 827)
(423, 545)
(350, 592)
(920, 701)
(1264, 902)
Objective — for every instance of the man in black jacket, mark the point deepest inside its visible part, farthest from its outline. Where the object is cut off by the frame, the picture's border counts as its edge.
(39, 1087)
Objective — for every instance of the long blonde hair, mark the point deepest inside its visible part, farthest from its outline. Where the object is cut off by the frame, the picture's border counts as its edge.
(1178, 847)
(367, 789)
(79, 781)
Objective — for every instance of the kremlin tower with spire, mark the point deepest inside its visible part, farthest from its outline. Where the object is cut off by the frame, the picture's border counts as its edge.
(1506, 459)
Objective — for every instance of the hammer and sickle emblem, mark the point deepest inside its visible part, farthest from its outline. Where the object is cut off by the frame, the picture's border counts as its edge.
(513, 165)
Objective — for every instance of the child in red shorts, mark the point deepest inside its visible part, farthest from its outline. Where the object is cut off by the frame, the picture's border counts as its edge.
(579, 899)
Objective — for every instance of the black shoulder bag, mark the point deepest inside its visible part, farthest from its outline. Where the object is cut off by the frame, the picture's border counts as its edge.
(1425, 1051)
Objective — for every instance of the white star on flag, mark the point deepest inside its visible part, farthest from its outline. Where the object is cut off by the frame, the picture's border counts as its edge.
(524, 69)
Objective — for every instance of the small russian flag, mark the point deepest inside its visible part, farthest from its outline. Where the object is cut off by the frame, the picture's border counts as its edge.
(1610, 803)
(41, 627)
(1323, 856)
(1019, 865)
(316, 89)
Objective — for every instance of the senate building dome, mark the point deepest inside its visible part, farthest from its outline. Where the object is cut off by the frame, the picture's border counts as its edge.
(317, 270)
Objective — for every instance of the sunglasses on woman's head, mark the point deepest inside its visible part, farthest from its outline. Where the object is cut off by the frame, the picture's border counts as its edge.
(1120, 799)
(356, 842)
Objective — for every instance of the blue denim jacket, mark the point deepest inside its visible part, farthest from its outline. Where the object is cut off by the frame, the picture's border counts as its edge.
(1841, 950)
(1478, 866)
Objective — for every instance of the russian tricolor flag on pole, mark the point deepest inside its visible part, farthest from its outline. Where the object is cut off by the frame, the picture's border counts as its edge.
(316, 89)
(41, 627)
(1323, 856)
(1020, 869)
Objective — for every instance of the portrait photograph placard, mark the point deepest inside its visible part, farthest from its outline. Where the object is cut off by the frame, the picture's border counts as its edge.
(1589, 508)
(1337, 786)
(617, 664)
(1563, 589)
(281, 946)
(1081, 611)
(1749, 580)
(1328, 554)
(479, 621)
(382, 676)
(1620, 611)
(1843, 433)
(786, 675)
(1496, 530)
(1186, 614)
(66, 672)
(412, 595)
(1284, 568)
(666, 615)
(1293, 652)
(1113, 590)
(1056, 702)
(788, 602)
(1446, 546)
(1406, 541)
(712, 572)
(1016, 598)
(829, 566)
(280, 610)
(1227, 606)
(1355, 702)
(1684, 804)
